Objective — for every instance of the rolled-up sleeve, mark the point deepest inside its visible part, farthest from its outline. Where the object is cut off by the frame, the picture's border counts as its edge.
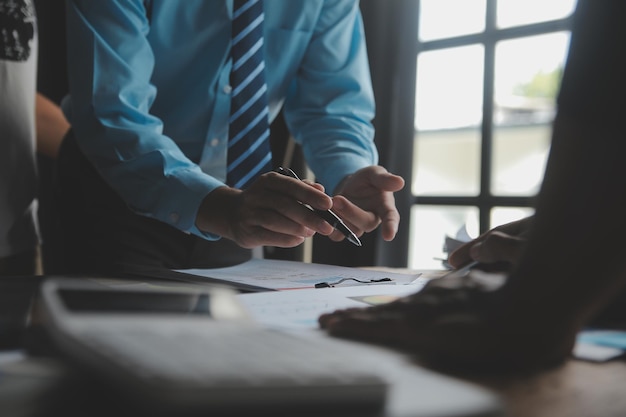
(330, 104)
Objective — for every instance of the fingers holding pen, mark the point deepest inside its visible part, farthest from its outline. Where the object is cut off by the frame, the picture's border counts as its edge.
(277, 210)
(285, 198)
(358, 220)
(269, 212)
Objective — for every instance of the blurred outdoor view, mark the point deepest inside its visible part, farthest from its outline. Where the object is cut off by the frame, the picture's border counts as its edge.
(449, 96)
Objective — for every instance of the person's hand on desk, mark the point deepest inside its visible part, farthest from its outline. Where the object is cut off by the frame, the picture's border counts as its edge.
(563, 278)
(458, 324)
(364, 200)
(469, 322)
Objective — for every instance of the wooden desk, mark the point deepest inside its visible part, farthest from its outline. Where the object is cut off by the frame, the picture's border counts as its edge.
(576, 389)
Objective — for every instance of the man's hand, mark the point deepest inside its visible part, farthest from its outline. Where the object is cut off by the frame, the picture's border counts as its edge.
(459, 324)
(364, 200)
(500, 244)
(269, 212)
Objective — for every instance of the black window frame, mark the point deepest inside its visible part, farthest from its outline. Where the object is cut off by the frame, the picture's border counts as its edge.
(393, 45)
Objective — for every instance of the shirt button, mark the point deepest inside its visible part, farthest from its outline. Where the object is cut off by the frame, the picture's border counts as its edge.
(215, 142)
(227, 89)
(174, 217)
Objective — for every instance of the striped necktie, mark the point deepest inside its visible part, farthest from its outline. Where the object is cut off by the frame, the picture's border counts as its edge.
(249, 153)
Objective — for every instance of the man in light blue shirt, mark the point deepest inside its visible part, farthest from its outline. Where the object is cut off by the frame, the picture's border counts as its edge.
(149, 105)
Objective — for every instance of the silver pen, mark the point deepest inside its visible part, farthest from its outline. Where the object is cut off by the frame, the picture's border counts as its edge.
(328, 215)
(462, 271)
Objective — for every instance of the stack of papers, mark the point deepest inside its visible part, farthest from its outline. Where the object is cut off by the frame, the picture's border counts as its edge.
(600, 345)
(299, 310)
(274, 305)
(286, 295)
(269, 274)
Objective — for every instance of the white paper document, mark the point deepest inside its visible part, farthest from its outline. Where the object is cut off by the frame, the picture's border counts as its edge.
(270, 274)
(299, 310)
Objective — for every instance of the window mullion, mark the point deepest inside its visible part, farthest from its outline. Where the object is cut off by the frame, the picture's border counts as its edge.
(486, 152)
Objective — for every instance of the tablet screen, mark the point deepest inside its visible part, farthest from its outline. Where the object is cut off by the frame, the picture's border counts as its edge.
(103, 301)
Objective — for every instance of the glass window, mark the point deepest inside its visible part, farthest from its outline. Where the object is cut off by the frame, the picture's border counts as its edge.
(517, 12)
(449, 88)
(527, 78)
(519, 158)
(430, 225)
(503, 215)
(447, 18)
(447, 118)
(447, 163)
(515, 63)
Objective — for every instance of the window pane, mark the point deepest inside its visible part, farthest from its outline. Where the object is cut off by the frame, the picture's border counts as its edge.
(518, 12)
(503, 215)
(447, 162)
(447, 18)
(449, 88)
(519, 159)
(429, 227)
(527, 78)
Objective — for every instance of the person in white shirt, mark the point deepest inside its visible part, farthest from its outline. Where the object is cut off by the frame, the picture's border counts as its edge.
(28, 122)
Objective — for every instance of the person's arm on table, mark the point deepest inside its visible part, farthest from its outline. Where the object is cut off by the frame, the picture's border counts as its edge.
(565, 275)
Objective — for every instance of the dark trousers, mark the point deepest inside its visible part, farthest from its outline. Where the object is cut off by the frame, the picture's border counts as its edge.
(25, 263)
(102, 235)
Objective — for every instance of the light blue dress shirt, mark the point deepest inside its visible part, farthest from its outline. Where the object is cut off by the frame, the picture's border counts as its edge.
(150, 94)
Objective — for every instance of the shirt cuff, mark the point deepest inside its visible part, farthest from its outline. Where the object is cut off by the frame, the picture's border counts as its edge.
(182, 195)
